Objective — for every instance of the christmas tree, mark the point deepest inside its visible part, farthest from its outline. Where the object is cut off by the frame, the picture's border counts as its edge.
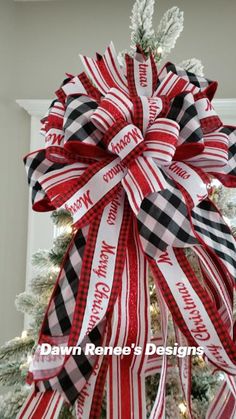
(16, 354)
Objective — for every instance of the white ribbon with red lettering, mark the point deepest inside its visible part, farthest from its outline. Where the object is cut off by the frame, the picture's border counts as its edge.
(194, 310)
(102, 268)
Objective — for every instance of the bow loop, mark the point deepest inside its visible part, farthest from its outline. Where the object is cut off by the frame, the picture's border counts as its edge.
(161, 140)
(147, 109)
(208, 117)
(114, 106)
(52, 125)
(78, 126)
(172, 85)
(214, 157)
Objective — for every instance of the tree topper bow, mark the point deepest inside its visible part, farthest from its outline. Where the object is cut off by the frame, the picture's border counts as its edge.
(130, 152)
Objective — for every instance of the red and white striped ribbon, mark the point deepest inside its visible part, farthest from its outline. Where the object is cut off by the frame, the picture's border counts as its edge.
(154, 361)
(143, 178)
(172, 85)
(223, 405)
(214, 157)
(184, 370)
(41, 405)
(165, 76)
(110, 71)
(161, 140)
(131, 325)
(115, 105)
(216, 284)
(158, 410)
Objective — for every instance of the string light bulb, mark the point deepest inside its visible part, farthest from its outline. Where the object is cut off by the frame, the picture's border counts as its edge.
(159, 50)
(24, 334)
(182, 408)
(55, 269)
(29, 359)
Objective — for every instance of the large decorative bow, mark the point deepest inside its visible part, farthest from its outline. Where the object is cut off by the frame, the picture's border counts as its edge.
(131, 152)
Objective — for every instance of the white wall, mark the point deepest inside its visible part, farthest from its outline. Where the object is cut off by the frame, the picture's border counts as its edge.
(39, 42)
(14, 135)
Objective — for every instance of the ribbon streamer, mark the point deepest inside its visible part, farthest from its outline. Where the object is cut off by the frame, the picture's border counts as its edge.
(131, 152)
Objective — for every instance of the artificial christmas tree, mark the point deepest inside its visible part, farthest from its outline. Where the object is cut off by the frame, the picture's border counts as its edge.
(15, 355)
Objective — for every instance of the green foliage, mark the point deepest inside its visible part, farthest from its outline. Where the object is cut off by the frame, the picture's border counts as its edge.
(41, 260)
(43, 283)
(14, 354)
(26, 302)
(61, 218)
(142, 32)
(204, 384)
(10, 373)
(59, 248)
(16, 348)
(67, 412)
(11, 402)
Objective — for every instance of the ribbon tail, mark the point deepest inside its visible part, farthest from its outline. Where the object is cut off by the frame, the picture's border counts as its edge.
(41, 405)
(126, 374)
(84, 273)
(216, 283)
(223, 405)
(89, 402)
(154, 362)
(184, 370)
(215, 235)
(158, 410)
(193, 310)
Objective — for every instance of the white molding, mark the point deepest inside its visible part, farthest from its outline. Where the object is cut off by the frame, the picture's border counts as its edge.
(34, 107)
(226, 108)
(40, 227)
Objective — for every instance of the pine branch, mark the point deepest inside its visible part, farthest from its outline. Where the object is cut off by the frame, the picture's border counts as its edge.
(169, 29)
(41, 260)
(41, 284)
(142, 32)
(39, 314)
(194, 65)
(61, 218)
(16, 348)
(204, 383)
(60, 245)
(67, 412)
(11, 402)
(26, 302)
(10, 373)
